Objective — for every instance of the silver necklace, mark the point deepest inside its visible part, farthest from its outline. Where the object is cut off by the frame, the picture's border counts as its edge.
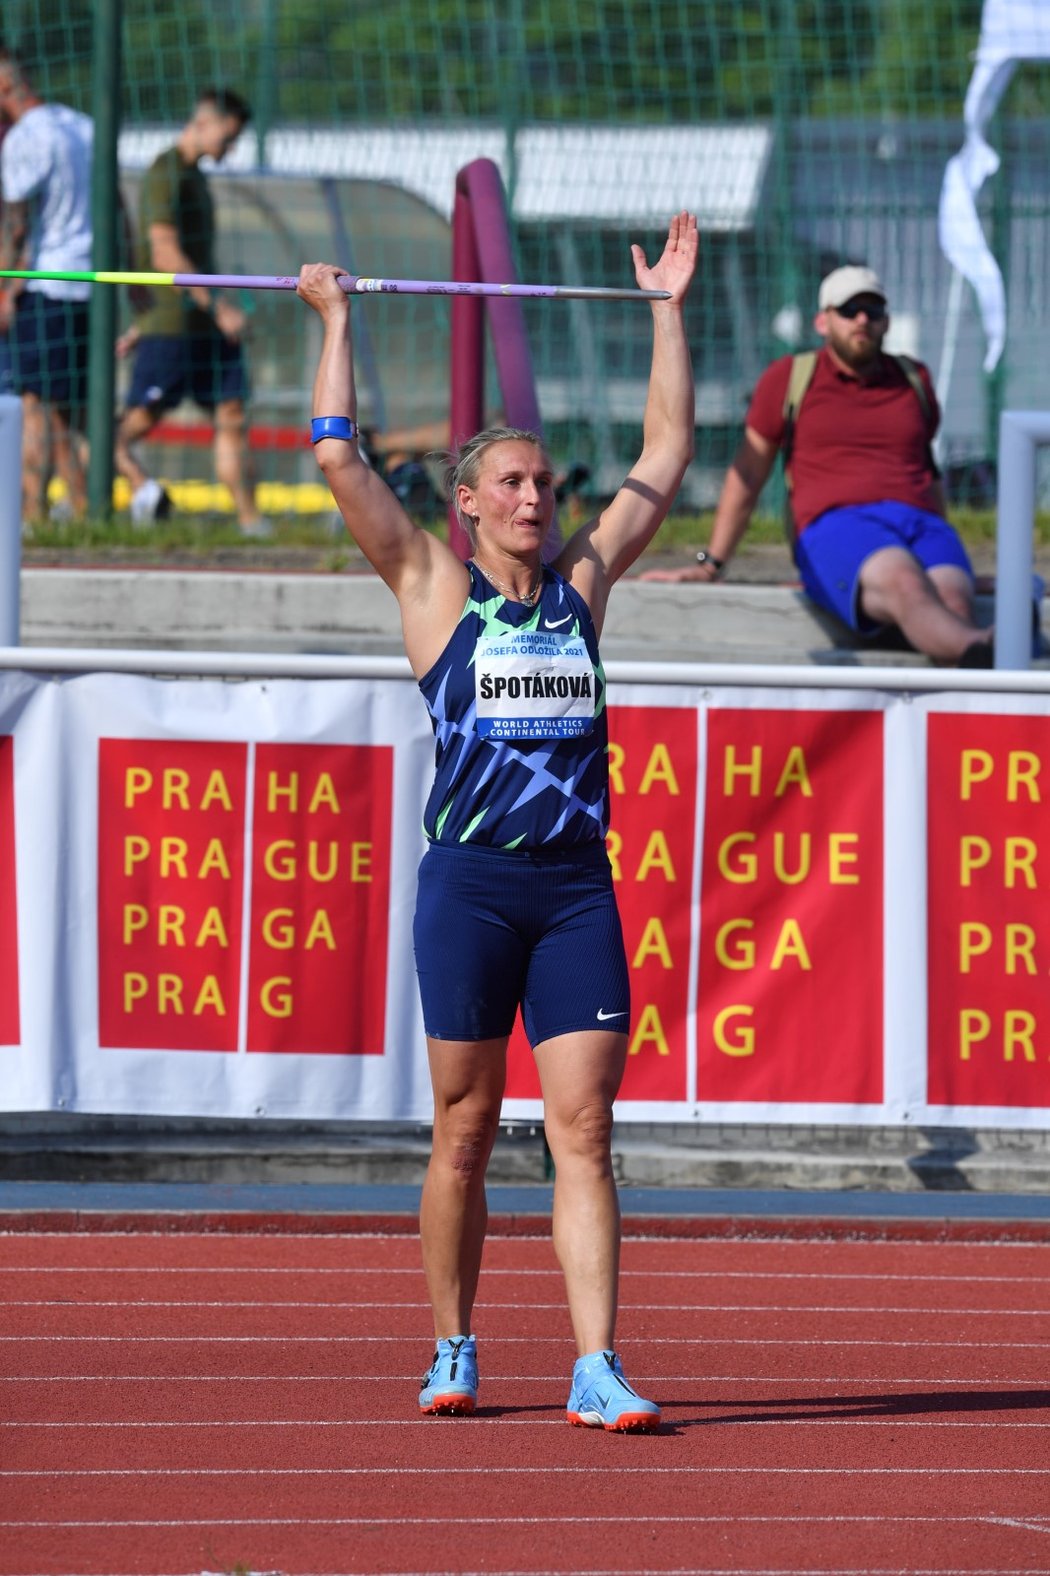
(528, 598)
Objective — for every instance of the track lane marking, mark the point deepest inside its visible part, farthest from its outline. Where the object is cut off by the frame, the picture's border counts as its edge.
(446, 1470)
(349, 1377)
(524, 1307)
(532, 1274)
(544, 1340)
(912, 1423)
(526, 1521)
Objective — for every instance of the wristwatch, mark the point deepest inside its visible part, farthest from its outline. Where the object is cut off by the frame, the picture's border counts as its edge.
(704, 557)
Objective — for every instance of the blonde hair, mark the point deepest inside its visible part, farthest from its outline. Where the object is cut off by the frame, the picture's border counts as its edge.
(464, 468)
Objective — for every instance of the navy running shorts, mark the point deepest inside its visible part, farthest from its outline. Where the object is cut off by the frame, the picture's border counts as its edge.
(495, 928)
(49, 349)
(206, 368)
(832, 550)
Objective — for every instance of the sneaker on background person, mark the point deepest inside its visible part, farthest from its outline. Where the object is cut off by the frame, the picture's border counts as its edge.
(601, 1398)
(149, 502)
(450, 1384)
(259, 529)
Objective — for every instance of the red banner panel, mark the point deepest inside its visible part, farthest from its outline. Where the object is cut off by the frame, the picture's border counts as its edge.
(321, 836)
(653, 779)
(791, 971)
(988, 931)
(170, 893)
(9, 1025)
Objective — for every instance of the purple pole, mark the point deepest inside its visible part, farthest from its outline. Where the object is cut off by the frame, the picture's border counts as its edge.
(482, 183)
(360, 284)
(466, 412)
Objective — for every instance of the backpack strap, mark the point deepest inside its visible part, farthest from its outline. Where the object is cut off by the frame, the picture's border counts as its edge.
(803, 367)
(910, 368)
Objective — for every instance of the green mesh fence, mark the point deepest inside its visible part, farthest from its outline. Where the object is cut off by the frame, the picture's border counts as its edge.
(804, 134)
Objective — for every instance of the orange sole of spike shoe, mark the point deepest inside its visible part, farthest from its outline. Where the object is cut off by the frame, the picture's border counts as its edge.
(449, 1406)
(628, 1423)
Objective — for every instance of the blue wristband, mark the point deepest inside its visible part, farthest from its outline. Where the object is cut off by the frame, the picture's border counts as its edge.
(332, 427)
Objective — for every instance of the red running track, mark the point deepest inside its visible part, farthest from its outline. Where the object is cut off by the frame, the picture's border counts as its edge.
(174, 1404)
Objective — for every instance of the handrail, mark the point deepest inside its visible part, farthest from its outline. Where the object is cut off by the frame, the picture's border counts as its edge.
(701, 675)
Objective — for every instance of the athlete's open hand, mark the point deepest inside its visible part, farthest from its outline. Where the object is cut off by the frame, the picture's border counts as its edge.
(675, 268)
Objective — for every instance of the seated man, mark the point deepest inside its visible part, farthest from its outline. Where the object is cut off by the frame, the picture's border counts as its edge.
(855, 424)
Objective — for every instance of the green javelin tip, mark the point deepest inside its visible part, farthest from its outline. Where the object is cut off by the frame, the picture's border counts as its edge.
(88, 277)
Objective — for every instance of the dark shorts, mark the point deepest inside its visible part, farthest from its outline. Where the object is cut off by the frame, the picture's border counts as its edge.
(831, 552)
(49, 349)
(207, 368)
(494, 929)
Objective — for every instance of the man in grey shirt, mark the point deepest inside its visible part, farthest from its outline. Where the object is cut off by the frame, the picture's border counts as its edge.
(45, 182)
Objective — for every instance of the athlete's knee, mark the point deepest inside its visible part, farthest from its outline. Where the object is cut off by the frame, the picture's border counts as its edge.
(465, 1140)
(468, 1156)
(585, 1129)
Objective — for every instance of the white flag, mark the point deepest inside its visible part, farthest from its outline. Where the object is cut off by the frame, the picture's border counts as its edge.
(1011, 31)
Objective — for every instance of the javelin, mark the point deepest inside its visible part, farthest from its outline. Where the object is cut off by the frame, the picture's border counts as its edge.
(353, 284)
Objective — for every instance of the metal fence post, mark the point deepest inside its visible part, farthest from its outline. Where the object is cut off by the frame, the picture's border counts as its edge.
(1020, 433)
(10, 517)
(105, 201)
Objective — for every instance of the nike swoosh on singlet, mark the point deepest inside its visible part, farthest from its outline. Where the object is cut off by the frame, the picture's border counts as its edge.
(553, 623)
(602, 1016)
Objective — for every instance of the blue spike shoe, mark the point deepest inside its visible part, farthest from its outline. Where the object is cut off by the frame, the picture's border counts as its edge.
(450, 1384)
(601, 1398)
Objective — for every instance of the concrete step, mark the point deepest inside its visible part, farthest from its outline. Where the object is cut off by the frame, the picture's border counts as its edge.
(58, 1147)
(221, 610)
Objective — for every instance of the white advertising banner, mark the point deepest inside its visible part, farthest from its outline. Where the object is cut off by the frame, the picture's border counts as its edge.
(833, 901)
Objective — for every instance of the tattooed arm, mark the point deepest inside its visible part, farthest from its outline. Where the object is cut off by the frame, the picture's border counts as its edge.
(14, 240)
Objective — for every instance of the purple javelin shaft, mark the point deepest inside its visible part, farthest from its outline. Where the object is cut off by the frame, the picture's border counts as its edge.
(357, 284)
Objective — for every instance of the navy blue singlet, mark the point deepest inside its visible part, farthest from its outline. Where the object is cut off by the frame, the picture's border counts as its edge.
(517, 703)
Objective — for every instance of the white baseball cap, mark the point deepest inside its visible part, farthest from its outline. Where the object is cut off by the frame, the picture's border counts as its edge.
(842, 284)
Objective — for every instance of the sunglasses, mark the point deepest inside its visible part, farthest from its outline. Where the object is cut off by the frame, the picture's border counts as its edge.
(874, 311)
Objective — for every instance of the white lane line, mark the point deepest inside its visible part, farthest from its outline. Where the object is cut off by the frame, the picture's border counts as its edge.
(520, 1307)
(702, 1570)
(353, 1377)
(845, 1420)
(734, 1570)
(450, 1467)
(863, 1382)
(532, 1274)
(632, 1519)
(739, 1244)
(707, 1342)
(915, 1424)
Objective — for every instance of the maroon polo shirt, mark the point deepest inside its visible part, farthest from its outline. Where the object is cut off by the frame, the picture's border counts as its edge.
(855, 441)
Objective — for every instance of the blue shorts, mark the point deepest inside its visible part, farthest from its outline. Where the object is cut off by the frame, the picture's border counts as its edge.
(49, 349)
(207, 368)
(494, 929)
(831, 552)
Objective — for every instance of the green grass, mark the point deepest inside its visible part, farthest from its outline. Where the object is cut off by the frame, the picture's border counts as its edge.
(321, 538)
(184, 533)
(975, 526)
